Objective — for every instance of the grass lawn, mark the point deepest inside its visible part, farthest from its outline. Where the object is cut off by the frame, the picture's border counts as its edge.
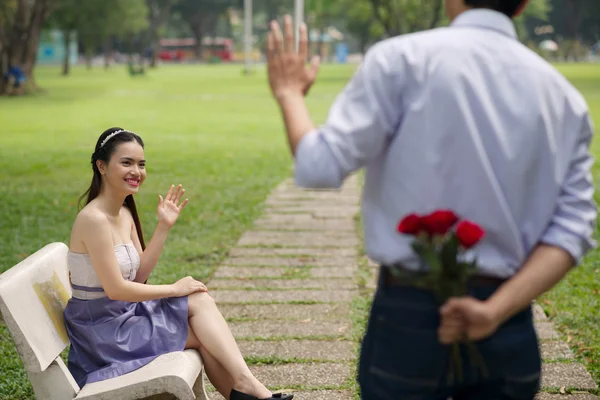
(216, 132)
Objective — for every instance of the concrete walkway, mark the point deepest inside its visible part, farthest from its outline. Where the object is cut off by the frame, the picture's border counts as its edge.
(287, 291)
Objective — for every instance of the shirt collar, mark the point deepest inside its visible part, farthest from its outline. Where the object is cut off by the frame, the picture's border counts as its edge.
(486, 19)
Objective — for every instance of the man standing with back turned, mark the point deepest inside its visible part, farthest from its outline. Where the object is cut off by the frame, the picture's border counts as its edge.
(463, 118)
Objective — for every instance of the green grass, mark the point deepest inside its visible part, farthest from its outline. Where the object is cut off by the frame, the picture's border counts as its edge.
(220, 135)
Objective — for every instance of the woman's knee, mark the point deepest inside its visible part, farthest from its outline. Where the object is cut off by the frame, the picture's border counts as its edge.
(200, 299)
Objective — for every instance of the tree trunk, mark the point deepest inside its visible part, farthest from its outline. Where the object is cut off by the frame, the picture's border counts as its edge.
(272, 10)
(437, 13)
(130, 51)
(89, 55)
(199, 36)
(66, 59)
(22, 43)
(573, 17)
(39, 14)
(391, 21)
(363, 41)
(154, 55)
(3, 68)
(158, 18)
(107, 52)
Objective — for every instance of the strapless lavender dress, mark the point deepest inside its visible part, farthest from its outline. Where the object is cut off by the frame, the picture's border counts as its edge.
(110, 338)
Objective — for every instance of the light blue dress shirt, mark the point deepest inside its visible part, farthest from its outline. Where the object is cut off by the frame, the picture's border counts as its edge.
(463, 118)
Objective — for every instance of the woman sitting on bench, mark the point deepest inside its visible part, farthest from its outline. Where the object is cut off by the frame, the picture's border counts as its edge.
(116, 322)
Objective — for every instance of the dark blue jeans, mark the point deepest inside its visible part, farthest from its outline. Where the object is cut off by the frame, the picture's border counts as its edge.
(402, 359)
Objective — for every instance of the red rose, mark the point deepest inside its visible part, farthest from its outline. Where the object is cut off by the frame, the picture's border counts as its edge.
(410, 225)
(469, 234)
(439, 222)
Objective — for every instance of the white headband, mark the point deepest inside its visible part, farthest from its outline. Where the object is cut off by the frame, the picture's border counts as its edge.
(115, 133)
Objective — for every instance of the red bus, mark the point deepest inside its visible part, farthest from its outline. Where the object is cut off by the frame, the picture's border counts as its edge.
(184, 49)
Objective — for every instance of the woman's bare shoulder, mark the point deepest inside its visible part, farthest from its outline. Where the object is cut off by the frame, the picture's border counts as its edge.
(89, 220)
(90, 215)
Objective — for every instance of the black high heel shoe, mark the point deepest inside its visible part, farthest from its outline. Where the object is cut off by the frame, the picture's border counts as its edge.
(235, 395)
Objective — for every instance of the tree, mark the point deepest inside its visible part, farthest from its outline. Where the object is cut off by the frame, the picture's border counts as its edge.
(321, 13)
(576, 19)
(159, 12)
(359, 22)
(21, 24)
(202, 17)
(535, 10)
(404, 16)
(101, 21)
(67, 17)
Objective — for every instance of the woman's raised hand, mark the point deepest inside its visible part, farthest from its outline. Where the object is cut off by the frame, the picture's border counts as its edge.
(170, 207)
(188, 285)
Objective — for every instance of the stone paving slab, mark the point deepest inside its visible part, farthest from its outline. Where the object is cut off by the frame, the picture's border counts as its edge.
(293, 193)
(316, 225)
(323, 395)
(310, 374)
(284, 296)
(316, 213)
(297, 240)
(351, 183)
(301, 312)
(545, 330)
(290, 191)
(331, 284)
(295, 329)
(567, 375)
(293, 261)
(313, 201)
(547, 396)
(327, 272)
(305, 395)
(555, 350)
(332, 214)
(278, 272)
(323, 206)
(348, 251)
(339, 350)
(300, 218)
(349, 186)
(373, 279)
(538, 313)
(299, 234)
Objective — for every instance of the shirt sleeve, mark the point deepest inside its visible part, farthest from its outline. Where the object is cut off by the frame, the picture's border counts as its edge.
(573, 223)
(360, 122)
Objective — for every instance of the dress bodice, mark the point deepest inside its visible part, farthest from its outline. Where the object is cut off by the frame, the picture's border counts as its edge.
(84, 281)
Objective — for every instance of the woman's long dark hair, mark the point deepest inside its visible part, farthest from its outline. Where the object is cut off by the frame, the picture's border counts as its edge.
(104, 153)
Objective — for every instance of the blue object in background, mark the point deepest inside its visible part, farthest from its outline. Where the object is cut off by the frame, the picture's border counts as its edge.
(52, 48)
(341, 53)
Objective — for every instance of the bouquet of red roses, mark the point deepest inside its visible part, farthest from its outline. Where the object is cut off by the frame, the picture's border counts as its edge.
(440, 239)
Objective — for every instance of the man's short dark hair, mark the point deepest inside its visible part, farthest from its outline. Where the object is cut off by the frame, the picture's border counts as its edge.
(507, 7)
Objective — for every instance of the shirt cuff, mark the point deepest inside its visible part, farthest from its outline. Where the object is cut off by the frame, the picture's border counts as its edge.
(572, 243)
(315, 166)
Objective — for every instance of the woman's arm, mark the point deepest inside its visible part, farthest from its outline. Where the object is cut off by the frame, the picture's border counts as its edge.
(97, 237)
(150, 256)
(168, 212)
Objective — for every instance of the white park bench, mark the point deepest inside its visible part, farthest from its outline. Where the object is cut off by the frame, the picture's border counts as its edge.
(33, 295)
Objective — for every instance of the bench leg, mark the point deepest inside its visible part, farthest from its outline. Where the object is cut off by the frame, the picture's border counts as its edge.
(200, 388)
(55, 383)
